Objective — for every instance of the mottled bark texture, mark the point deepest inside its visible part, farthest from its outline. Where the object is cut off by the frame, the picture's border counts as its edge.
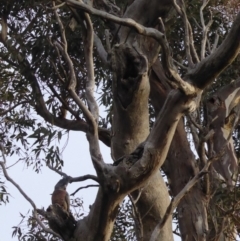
(223, 112)
(223, 115)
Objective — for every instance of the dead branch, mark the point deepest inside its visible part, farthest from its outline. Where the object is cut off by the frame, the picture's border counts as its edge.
(80, 188)
(151, 32)
(74, 179)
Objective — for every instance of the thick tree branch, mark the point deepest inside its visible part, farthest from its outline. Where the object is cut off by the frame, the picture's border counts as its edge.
(100, 49)
(90, 83)
(73, 81)
(92, 115)
(209, 68)
(176, 200)
(4, 28)
(150, 32)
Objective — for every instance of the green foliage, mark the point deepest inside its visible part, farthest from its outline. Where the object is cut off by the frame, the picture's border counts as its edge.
(124, 225)
(32, 32)
(3, 193)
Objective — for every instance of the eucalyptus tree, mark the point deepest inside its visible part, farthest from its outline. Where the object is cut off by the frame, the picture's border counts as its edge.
(168, 76)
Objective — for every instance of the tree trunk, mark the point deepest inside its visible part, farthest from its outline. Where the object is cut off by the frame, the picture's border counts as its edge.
(180, 167)
(131, 127)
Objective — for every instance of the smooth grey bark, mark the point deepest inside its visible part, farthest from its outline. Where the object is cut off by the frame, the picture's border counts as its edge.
(118, 181)
(180, 166)
(131, 127)
(131, 123)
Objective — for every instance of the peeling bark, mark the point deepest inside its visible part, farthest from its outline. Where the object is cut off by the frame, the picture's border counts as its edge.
(223, 115)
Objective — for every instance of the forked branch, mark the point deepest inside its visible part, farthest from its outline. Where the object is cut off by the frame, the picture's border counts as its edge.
(150, 32)
(92, 115)
(189, 43)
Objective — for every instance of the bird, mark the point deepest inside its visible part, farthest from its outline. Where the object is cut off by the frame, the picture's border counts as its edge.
(60, 195)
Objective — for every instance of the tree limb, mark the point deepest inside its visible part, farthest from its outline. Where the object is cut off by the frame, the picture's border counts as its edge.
(80, 188)
(90, 83)
(83, 178)
(175, 201)
(150, 32)
(215, 63)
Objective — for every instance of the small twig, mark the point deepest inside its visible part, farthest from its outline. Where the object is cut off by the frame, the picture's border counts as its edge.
(13, 164)
(139, 195)
(83, 188)
(179, 64)
(182, 13)
(162, 27)
(11, 108)
(45, 229)
(199, 127)
(55, 68)
(4, 29)
(64, 102)
(56, 170)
